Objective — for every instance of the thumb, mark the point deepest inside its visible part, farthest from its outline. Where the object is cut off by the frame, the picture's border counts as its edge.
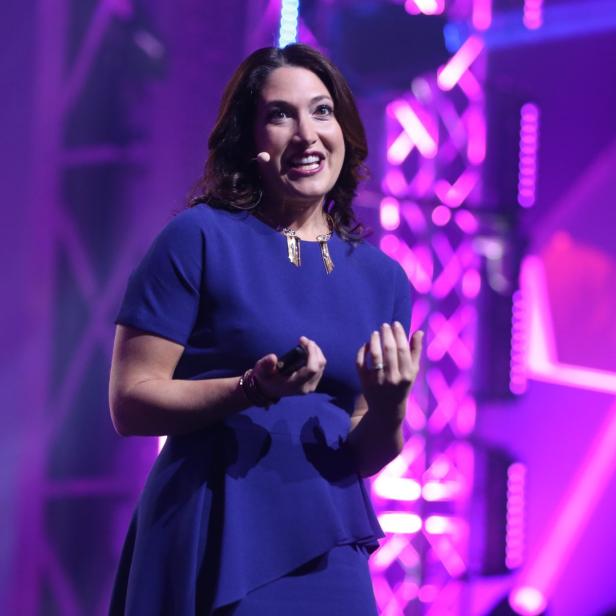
(267, 365)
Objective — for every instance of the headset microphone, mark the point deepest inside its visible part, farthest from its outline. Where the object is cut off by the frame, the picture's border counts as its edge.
(263, 157)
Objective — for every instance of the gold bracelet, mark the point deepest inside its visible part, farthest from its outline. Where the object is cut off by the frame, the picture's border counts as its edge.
(253, 392)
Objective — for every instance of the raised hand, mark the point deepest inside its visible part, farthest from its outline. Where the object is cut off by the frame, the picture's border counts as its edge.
(388, 365)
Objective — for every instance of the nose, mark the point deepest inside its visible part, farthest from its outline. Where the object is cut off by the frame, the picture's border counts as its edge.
(305, 132)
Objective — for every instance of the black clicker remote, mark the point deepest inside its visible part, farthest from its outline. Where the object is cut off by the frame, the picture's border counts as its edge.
(293, 360)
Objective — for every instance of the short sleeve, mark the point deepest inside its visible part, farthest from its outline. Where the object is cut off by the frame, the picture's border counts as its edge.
(163, 293)
(402, 299)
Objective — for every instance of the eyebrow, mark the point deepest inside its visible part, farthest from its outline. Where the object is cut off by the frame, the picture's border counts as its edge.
(312, 101)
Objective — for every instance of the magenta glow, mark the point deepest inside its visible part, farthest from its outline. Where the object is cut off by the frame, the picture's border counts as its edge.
(517, 369)
(533, 14)
(529, 146)
(427, 7)
(514, 534)
(441, 215)
(482, 14)
(460, 63)
(527, 601)
(389, 212)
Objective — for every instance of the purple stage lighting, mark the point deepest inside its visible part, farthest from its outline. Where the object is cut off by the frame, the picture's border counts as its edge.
(529, 145)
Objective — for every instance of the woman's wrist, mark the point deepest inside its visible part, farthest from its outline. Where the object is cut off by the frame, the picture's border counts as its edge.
(390, 415)
(253, 391)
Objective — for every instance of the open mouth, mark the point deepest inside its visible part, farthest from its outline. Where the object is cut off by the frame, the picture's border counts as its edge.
(306, 164)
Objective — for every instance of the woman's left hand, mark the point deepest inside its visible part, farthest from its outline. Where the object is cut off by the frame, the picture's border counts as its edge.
(388, 365)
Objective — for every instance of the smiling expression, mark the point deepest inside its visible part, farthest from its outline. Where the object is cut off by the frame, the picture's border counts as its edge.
(296, 125)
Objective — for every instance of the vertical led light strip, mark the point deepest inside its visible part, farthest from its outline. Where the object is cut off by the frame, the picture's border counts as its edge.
(529, 146)
(517, 373)
(514, 534)
(289, 15)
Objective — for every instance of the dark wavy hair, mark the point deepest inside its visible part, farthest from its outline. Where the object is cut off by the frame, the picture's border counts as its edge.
(231, 177)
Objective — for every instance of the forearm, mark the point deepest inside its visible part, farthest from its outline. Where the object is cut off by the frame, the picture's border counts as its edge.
(170, 406)
(375, 441)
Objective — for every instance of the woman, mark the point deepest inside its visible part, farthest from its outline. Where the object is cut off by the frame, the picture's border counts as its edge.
(256, 504)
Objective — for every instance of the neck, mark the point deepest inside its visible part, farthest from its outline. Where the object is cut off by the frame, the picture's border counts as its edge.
(307, 221)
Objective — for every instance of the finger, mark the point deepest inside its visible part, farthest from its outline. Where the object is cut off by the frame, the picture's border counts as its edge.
(317, 350)
(320, 362)
(307, 378)
(268, 362)
(360, 358)
(321, 355)
(390, 351)
(266, 366)
(314, 363)
(375, 351)
(416, 346)
(313, 357)
(405, 360)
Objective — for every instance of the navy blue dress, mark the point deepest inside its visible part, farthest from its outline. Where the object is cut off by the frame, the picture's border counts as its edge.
(230, 511)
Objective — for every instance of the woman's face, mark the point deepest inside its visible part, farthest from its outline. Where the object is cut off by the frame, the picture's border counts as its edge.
(296, 125)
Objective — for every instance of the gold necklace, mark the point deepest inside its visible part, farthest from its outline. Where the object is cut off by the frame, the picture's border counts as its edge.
(294, 244)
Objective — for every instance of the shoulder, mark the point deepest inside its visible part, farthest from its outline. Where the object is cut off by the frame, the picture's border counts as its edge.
(374, 258)
(384, 272)
(201, 216)
(198, 222)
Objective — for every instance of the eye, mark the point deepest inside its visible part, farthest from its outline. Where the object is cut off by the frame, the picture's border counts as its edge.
(324, 110)
(276, 115)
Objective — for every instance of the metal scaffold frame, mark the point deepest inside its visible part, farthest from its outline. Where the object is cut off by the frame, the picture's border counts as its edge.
(42, 579)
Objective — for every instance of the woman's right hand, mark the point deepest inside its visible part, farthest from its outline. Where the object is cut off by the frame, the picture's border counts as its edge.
(303, 381)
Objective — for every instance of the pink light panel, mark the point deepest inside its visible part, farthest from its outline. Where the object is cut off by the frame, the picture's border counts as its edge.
(539, 576)
(533, 14)
(427, 7)
(482, 14)
(476, 131)
(428, 593)
(529, 146)
(400, 523)
(396, 488)
(527, 601)
(417, 263)
(421, 126)
(441, 215)
(389, 213)
(541, 361)
(459, 64)
(455, 194)
(447, 338)
(394, 182)
(467, 221)
(471, 283)
(419, 131)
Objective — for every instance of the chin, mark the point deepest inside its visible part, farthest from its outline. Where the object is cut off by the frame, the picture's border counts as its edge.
(304, 199)
(309, 194)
